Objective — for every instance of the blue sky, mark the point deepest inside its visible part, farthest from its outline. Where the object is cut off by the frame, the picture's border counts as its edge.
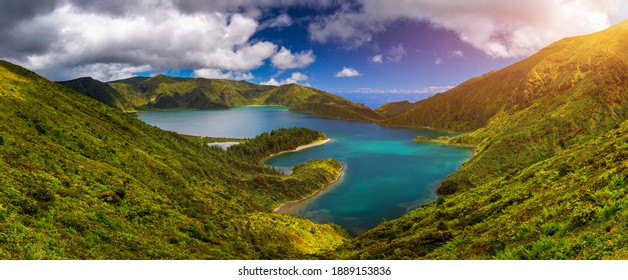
(414, 56)
(419, 46)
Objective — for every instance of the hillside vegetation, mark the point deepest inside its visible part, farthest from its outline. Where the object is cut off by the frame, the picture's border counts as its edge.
(99, 91)
(568, 93)
(164, 92)
(563, 70)
(82, 180)
(549, 176)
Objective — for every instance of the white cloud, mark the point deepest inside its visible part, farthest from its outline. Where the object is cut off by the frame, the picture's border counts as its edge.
(282, 20)
(379, 59)
(348, 27)
(105, 71)
(426, 90)
(271, 82)
(499, 28)
(285, 59)
(456, 53)
(210, 73)
(161, 37)
(295, 78)
(438, 61)
(395, 53)
(347, 72)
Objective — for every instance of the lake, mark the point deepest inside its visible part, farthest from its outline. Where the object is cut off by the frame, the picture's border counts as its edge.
(386, 174)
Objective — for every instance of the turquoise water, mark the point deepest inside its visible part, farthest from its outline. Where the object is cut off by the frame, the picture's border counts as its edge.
(386, 174)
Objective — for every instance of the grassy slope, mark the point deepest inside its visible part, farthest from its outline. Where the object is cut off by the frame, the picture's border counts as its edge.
(581, 91)
(99, 91)
(548, 179)
(554, 70)
(82, 180)
(393, 109)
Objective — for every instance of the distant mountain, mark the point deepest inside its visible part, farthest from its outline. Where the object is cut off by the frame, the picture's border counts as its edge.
(164, 92)
(99, 91)
(549, 177)
(81, 180)
(563, 69)
(309, 100)
(391, 110)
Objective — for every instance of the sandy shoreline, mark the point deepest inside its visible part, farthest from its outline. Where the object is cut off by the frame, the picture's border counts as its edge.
(303, 147)
(276, 211)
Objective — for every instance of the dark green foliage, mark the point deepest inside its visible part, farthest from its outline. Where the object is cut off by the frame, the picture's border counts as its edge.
(81, 180)
(274, 142)
(99, 91)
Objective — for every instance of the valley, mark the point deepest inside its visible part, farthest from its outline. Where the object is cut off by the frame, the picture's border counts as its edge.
(545, 139)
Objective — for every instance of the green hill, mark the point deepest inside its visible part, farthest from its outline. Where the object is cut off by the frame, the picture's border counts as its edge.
(309, 100)
(164, 92)
(81, 180)
(549, 174)
(393, 109)
(563, 68)
(99, 91)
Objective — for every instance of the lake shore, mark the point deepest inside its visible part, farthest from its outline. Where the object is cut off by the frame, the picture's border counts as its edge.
(284, 205)
(299, 148)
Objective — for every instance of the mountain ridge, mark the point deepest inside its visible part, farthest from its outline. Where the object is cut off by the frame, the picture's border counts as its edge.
(166, 92)
(471, 104)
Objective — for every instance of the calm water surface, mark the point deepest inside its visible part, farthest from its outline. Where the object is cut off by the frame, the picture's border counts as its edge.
(386, 174)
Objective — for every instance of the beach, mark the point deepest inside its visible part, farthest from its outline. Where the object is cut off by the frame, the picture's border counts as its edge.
(280, 207)
(302, 147)
(299, 148)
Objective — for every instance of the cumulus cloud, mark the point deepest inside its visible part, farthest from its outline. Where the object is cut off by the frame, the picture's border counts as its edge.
(351, 28)
(285, 59)
(499, 28)
(379, 59)
(271, 82)
(211, 73)
(59, 39)
(160, 38)
(104, 71)
(295, 78)
(347, 72)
